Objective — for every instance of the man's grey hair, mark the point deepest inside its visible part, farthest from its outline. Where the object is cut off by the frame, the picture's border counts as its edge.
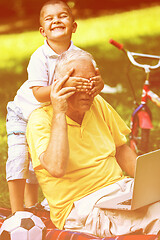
(71, 56)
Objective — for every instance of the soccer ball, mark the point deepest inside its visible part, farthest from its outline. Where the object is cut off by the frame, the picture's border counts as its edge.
(23, 226)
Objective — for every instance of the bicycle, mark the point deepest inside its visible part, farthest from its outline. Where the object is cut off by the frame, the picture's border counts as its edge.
(141, 119)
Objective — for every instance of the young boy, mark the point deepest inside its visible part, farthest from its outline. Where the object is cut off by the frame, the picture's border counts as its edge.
(57, 25)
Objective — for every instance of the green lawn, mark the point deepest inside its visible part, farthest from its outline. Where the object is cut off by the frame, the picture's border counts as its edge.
(138, 30)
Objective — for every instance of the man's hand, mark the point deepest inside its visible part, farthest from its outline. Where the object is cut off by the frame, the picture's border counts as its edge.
(60, 93)
(98, 84)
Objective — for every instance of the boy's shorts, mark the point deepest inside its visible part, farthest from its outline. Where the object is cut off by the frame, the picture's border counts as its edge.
(18, 165)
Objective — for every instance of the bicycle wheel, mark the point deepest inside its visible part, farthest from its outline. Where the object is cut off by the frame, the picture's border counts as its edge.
(139, 138)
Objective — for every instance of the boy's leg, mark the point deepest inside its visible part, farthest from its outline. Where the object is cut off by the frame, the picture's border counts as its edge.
(31, 187)
(17, 162)
(16, 192)
(31, 194)
(16, 172)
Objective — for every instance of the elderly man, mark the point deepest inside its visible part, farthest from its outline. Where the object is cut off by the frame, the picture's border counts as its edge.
(78, 150)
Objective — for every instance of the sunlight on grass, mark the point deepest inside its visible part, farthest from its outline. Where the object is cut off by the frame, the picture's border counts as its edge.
(123, 26)
(17, 47)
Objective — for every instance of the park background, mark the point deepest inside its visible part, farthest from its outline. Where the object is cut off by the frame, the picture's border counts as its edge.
(136, 24)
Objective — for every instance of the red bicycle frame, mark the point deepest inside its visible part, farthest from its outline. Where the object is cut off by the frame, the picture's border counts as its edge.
(141, 117)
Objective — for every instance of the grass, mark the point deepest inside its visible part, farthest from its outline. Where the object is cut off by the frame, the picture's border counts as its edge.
(138, 30)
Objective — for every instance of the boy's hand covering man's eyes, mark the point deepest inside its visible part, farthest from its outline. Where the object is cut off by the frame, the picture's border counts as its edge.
(92, 86)
(81, 84)
(98, 84)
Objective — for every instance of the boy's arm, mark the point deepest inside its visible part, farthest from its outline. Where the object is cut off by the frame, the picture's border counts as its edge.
(42, 94)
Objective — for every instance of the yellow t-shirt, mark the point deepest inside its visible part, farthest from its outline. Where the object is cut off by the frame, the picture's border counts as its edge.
(92, 164)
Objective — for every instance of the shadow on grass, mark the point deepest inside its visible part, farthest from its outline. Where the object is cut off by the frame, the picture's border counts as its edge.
(15, 25)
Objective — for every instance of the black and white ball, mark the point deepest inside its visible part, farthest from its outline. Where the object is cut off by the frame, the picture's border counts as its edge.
(23, 226)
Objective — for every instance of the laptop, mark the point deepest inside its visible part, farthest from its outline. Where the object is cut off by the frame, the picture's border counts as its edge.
(146, 189)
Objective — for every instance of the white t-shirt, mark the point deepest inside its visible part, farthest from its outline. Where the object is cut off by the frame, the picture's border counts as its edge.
(40, 73)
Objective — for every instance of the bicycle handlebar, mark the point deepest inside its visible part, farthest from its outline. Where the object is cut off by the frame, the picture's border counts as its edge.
(116, 44)
(131, 56)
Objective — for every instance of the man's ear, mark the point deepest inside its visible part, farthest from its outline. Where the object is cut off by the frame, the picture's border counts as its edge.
(74, 27)
(42, 31)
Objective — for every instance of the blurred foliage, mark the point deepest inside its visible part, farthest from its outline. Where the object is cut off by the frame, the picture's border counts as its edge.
(24, 8)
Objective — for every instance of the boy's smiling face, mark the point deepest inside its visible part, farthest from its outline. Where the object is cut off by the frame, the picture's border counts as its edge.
(57, 23)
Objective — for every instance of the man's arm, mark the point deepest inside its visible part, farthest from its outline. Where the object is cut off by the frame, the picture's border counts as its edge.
(126, 159)
(56, 156)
